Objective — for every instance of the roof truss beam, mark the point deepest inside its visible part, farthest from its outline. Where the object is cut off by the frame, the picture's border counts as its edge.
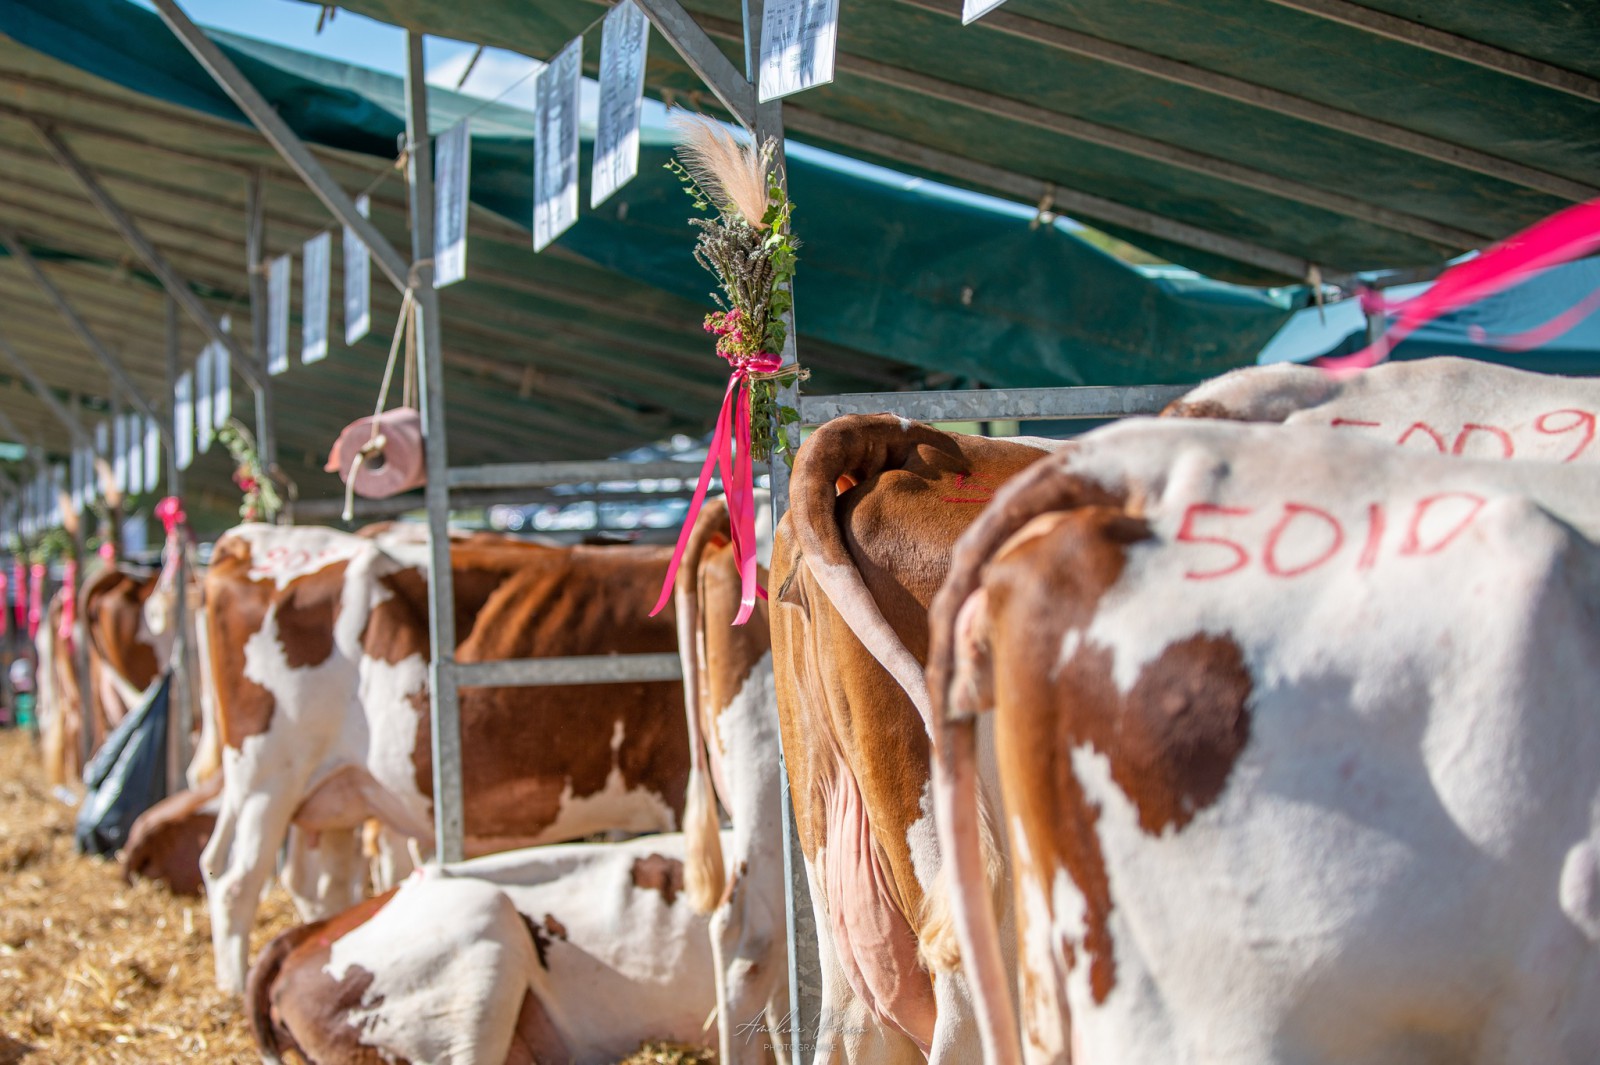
(177, 287)
(1268, 99)
(704, 58)
(112, 364)
(284, 140)
(1444, 43)
(80, 435)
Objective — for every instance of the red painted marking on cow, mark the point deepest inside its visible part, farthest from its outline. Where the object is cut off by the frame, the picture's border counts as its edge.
(1291, 511)
(1438, 441)
(1376, 524)
(972, 483)
(1583, 419)
(1187, 535)
(1506, 446)
(1413, 544)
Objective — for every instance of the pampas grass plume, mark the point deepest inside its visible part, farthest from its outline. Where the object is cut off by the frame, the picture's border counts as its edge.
(734, 175)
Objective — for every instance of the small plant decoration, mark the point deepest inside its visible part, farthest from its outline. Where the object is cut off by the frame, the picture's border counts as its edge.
(747, 245)
(261, 499)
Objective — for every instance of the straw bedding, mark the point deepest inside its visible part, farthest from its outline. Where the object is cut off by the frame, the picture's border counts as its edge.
(95, 971)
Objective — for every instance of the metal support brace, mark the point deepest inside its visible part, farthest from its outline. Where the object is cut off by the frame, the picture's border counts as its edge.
(805, 969)
(445, 706)
(697, 48)
(75, 428)
(177, 287)
(281, 137)
(255, 242)
(119, 375)
(182, 692)
(1018, 404)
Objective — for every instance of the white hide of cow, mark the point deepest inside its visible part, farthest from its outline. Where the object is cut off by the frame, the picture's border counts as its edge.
(341, 728)
(453, 954)
(1443, 405)
(1404, 863)
(736, 877)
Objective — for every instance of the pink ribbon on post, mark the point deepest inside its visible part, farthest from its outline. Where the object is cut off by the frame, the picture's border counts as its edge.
(1566, 235)
(738, 485)
(5, 615)
(69, 602)
(19, 581)
(35, 599)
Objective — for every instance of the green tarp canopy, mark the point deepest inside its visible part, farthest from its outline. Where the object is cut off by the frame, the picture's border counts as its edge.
(901, 284)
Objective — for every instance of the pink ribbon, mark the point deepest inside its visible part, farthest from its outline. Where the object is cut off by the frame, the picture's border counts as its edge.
(738, 485)
(69, 601)
(19, 580)
(170, 513)
(5, 615)
(107, 551)
(35, 599)
(1566, 235)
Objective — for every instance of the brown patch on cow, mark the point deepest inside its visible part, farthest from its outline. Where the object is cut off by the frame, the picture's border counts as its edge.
(166, 841)
(308, 608)
(113, 613)
(296, 1005)
(1203, 408)
(236, 609)
(657, 872)
(537, 1040)
(1171, 741)
(542, 934)
(524, 747)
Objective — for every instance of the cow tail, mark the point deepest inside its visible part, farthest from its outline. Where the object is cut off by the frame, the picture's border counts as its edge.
(704, 871)
(841, 454)
(258, 993)
(956, 621)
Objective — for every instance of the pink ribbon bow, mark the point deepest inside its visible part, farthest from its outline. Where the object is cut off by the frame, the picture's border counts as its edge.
(69, 601)
(738, 485)
(1566, 235)
(5, 615)
(170, 513)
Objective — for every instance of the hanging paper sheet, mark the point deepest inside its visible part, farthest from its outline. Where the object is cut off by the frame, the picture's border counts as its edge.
(452, 160)
(183, 420)
(58, 484)
(78, 485)
(357, 279)
(279, 273)
(222, 379)
(318, 267)
(972, 10)
(202, 400)
(119, 452)
(133, 429)
(152, 454)
(798, 41)
(623, 42)
(555, 153)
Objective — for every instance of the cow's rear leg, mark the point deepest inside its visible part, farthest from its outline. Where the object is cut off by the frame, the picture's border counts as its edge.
(236, 866)
(749, 949)
(325, 873)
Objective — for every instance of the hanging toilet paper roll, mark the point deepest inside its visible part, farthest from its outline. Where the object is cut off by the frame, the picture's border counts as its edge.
(395, 465)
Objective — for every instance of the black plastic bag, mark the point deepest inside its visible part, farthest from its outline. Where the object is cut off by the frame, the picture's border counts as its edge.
(127, 776)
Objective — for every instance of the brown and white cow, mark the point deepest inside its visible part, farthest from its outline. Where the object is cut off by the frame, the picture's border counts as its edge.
(737, 877)
(319, 647)
(877, 502)
(1442, 405)
(573, 953)
(166, 840)
(1297, 748)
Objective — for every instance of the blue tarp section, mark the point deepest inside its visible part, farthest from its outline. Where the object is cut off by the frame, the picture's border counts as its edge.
(890, 266)
(1522, 327)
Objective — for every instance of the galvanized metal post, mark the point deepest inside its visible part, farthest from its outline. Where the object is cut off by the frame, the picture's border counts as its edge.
(180, 705)
(87, 697)
(255, 266)
(448, 814)
(805, 970)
